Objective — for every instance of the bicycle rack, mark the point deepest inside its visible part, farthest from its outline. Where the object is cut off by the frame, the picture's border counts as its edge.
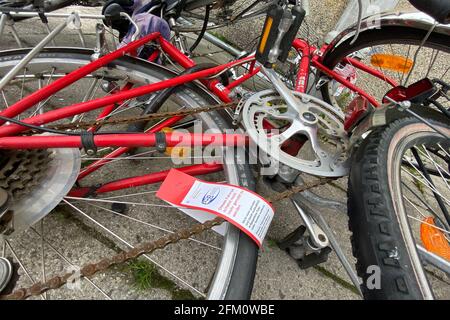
(72, 19)
(22, 27)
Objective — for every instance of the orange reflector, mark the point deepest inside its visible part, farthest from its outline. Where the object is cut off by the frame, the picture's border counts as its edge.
(265, 36)
(391, 62)
(178, 152)
(433, 239)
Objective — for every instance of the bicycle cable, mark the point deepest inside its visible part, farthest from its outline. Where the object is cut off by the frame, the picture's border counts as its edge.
(56, 131)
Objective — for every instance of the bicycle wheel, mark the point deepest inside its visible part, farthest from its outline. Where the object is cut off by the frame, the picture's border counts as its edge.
(398, 203)
(406, 62)
(84, 228)
(222, 15)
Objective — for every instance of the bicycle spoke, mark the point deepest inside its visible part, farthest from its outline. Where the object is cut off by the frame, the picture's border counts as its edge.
(16, 257)
(437, 166)
(39, 107)
(423, 202)
(445, 73)
(132, 247)
(3, 248)
(23, 82)
(121, 109)
(65, 259)
(137, 156)
(150, 225)
(431, 225)
(92, 90)
(430, 158)
(425, 182)
(405, 65)
(425, 175)
(98, 151)
(44, 277)
(432, 61)
(394, 54)
(416, 54)
(42, 104)
(122, 202)
(4, 99)
(129, 195)
(443, 150)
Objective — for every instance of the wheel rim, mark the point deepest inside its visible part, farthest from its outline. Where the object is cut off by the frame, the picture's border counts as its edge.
(413, 202)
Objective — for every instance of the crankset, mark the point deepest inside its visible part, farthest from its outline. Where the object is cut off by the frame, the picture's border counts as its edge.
(313, 141)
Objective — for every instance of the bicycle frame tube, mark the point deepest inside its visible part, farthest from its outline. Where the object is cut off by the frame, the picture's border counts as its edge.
(107, 100)
(215, 86)
(311, 56)
(303, 73)
(129, 140)
(63, 82)
(118, 152)
(155, 177)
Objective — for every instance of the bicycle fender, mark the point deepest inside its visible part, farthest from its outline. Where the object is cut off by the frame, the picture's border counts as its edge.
(408, 19)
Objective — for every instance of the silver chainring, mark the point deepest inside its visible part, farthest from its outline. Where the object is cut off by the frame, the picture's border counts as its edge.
(325, 152)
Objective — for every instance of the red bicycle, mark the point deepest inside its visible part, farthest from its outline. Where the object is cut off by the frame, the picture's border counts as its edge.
(73, 121)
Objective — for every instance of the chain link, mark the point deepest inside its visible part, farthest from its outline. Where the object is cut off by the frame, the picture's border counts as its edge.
(88, 270)
(148, 117)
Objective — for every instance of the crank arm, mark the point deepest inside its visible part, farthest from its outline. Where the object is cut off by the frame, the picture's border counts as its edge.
(315, 199)
(297, 108)
(292, 102)
(330, 240)
(318, 238)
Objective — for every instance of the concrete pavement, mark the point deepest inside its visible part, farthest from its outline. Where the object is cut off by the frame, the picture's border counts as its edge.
(278, 276)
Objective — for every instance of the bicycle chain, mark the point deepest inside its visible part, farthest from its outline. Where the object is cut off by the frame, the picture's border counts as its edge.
(90, 269)
(148, 117)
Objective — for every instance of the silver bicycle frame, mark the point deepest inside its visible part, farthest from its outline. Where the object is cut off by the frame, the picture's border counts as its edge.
(69, 18)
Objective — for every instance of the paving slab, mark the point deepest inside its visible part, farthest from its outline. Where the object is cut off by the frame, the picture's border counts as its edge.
(278, 275)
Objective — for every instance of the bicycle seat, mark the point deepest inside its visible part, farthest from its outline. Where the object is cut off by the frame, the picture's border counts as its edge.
(438, 9)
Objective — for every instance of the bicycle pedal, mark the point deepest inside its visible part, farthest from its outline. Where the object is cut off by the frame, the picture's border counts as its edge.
(314, 258)
(296, 246)
(121, 208)
(292, 238)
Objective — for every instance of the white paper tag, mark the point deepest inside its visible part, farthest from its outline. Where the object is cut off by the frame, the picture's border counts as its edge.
(202, 200)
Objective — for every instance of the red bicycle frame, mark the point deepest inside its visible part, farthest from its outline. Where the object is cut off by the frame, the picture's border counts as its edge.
(311, 56)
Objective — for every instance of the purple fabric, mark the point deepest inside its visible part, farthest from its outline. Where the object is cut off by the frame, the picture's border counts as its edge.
(138, 4)
(147, 22)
